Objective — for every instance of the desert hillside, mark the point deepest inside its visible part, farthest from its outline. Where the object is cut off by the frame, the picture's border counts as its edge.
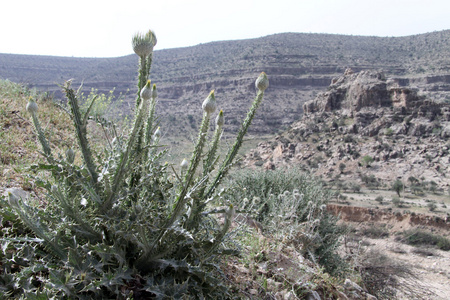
(299, 66)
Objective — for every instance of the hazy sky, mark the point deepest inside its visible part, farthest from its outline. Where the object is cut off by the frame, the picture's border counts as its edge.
(91, 28)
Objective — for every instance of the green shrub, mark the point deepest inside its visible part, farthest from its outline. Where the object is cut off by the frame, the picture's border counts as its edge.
(370, 180)
(342, 167)
(291, 205)
(123, 224)
(396, 201)
(355, 187)
(417, 237)
(367, 160)
(376, 232)
(389, 132)
(379, 199)
(397, 186)
(432, 206)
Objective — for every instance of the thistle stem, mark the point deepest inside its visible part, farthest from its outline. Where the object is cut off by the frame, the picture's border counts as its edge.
(80, 128)
(237, 144)
(142, 79)
(181, 198)
(121, 170)
(41, 136)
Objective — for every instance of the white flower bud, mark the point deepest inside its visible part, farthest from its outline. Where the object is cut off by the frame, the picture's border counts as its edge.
(54, 189)
(146, 91)
(154, 93)
(262, 82)
(220, 119)
(32, 106)
(184, 165)
(209, 105)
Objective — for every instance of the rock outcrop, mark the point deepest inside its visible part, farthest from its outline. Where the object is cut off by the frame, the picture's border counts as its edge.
(352, 92)
(362, 115)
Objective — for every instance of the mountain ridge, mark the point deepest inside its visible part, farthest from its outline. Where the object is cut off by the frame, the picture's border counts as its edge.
(299, 65)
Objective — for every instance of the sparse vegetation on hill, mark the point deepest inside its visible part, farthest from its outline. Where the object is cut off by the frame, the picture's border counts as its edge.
(344, 137)
(300, 66)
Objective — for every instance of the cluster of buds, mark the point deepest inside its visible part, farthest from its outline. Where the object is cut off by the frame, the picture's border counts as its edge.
(32, 106)
(149, 91)
(157, 134)
(70, 155)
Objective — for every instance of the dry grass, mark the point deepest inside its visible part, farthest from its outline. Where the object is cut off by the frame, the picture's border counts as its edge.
(19, 147)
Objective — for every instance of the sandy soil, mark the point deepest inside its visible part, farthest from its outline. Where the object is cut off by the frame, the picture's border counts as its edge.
(430, 269)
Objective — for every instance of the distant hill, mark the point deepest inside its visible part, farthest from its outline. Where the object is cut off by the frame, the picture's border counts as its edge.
(299, 66)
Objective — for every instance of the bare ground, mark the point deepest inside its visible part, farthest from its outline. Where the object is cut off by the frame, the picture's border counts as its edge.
(431, 273)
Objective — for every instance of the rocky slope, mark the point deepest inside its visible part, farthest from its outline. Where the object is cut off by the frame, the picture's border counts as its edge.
(366, 129)
(298, 65)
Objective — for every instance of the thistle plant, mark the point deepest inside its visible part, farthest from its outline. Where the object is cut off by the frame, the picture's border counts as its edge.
(122, 224)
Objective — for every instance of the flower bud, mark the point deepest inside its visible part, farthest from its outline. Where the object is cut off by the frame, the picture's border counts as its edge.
(184, 164)
(209, 105)
(262, 82)
(143, 43)
(70, 156)
(230, 212)
(32, 106)
(220, 119)
(146, 91)
(154, 93)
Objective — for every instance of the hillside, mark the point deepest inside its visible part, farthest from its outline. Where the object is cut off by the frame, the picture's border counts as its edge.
(367, 132)
(299, 66)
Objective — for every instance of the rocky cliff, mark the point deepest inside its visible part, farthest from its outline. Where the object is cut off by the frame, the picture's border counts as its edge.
(366, 129)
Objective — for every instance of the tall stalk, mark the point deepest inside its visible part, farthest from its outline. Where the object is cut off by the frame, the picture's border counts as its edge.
(143, 45)
(80, 127)
(261, 83)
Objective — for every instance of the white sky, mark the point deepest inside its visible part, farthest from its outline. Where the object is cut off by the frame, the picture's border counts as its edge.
(98, 28)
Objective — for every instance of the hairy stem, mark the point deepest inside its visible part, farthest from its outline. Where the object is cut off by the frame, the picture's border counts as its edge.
(41, 136)
(80, 128)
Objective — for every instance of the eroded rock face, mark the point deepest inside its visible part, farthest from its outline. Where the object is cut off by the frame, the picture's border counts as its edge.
(355, 91)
